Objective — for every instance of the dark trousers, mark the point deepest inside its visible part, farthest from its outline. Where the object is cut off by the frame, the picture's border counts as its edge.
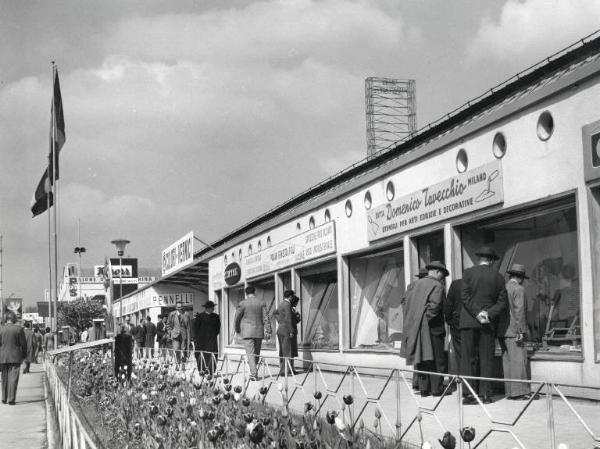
(429, 382)
(26, 366)
(477, 358)
(454, 364)
(120, 368)
(285, 351)
(10, 380)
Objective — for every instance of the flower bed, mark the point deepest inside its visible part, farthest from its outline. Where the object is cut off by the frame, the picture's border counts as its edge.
(164, 408)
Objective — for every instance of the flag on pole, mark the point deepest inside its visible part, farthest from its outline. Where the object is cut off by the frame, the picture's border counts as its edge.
(43, 197)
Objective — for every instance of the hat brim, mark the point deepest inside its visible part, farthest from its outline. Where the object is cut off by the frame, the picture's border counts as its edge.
(493, 256)
(435, 267)
(518, 273)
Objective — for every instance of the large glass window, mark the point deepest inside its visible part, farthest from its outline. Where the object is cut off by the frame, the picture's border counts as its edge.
(319, 305)
(430, 247)
(545, 241)
(265, 290)
(376, 288)
(234, 297)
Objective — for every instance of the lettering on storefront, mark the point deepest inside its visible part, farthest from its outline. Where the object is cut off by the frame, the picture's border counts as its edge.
(309, 245)
(178, 255)
(233, 273)
(171, 299)
(466, 192)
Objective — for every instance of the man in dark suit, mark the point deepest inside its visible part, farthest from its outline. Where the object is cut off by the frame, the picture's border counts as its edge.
(285, 330)
(123, 354)
(13, 349)
(162, 335)
(252, 323)
(149, 337)
(424, 332)
(179, 329)
(484, 300)
(31, 342)
(205, 332)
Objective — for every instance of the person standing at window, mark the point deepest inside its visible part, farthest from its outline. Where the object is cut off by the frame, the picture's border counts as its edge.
(424, 332)
(484, 300)
(205, 333)
(252, 323)
(285, 331)
(511, 330)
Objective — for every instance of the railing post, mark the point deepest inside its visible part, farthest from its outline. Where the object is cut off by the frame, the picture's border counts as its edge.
(459, 395)
(550, 411)
(398, 406)
(70, 369)
(287, 402)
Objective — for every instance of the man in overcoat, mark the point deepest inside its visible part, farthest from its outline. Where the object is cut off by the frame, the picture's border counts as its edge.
(13, 349)
(484, 300)
(149, 337)
(252, 323)
(206, 327)
(31, 342)
(452, 310)
(424, 332)
(286, 330)
(162, 335)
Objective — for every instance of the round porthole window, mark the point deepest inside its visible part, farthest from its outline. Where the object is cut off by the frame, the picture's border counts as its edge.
(368, 200)
(390, 191)
(298, 227)
(311, 223)
(348, 208)
(462, 161)
(327, 215)
(499, 146)
(259, 246)
(268, 241)
(545, 126)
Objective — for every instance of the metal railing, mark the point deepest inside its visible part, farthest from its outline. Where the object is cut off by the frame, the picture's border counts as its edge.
(399, 412)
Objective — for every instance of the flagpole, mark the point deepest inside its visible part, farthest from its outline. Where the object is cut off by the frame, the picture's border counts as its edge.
(55, 198)
(50, 304)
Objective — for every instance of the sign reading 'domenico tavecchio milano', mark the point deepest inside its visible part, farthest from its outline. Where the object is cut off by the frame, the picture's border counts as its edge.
(309, 245)
(465, 192)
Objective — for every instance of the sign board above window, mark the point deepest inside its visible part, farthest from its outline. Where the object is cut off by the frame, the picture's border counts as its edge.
(466, 192)
(178, 255)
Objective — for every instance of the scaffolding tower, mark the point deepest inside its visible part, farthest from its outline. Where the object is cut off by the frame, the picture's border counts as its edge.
(391, 112)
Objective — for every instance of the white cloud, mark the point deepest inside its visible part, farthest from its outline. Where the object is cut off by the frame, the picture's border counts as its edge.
(528, 31)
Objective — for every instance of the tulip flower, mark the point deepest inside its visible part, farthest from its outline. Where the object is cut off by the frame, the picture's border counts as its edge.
(448, 441)
(467, 434)
(348, 399)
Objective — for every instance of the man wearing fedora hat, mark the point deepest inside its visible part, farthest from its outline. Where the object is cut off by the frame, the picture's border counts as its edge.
(511, 330)
(484, 299)
(424, 332)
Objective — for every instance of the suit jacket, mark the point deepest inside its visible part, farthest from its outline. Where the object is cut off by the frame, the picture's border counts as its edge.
(149, 333)
(513, 320)
(285, 319)
(483, 289)
(252, 319)
(179, 327)
(139, 334)
(423, 320)
(161, 330)
(13, 344)
(205, 331)
(123, 349)
(31, 344)
(453, 304)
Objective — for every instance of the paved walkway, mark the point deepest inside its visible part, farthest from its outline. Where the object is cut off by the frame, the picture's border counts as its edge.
(23, 425)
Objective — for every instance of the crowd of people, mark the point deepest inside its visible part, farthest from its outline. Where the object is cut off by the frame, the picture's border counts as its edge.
(478, 309)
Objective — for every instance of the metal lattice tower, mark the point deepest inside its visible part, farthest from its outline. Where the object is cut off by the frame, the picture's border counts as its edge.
(391, 112)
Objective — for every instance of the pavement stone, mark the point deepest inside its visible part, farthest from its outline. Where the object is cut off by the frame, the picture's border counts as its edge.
(23, 425)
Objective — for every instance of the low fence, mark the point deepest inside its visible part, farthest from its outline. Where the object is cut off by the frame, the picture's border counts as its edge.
(382, 400)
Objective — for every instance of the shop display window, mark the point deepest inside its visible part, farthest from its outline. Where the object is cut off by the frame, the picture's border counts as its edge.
(376, 289)
(430, 247)
(319, 307)
(266, 292)
(545, 241)
(234, 297)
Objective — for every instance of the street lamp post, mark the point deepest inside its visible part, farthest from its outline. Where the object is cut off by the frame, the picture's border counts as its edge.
(120, 244)
(78, 250)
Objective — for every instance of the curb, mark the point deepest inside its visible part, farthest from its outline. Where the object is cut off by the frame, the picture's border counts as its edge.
(52, 435)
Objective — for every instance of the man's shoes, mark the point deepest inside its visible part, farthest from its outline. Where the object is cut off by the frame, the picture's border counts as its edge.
(424, 394)
(486, 399)
(469, 400)
(11, 403)
(441, 392)
(253, 378)
(3, 401)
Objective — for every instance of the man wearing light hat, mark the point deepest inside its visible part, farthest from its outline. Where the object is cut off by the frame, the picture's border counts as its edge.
(511, 331)
(484, 300)
(424, 332)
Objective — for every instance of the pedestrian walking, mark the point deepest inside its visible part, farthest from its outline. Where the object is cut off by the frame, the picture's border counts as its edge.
(205, 332)
(139, 339)
(252, 323)
(424, 332)
(13, 350)
(179, 329)
(452, 308)
(30, 356)
(38, 343)
(123, 354)
(286, 332)
(149, 337)
(48, 341)
(484, 300)
(162, 335)
(511, 331)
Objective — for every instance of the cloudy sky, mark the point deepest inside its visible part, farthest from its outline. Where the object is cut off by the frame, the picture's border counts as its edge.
(201, 115)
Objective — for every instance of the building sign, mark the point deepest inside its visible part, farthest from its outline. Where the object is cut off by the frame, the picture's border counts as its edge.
(309, 245)
(178, 255)
(125, 281)
(171, 299)
(14, 305)
(233, 273)
(124, 276)
(121, 271)
(465, 192)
